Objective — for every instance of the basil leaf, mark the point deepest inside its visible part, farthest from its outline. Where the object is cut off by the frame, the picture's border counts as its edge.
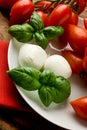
(51, 32)
(40, 39)
(25, 77)
(36, 21)
(45, 95)
(48, 78)
(23, 33)
(62, 89)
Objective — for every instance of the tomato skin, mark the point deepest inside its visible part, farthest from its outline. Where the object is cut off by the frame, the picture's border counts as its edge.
(73, 19)
(77, 37)
(6, 4)
(80, 107)
(21, 11)
(75, 61)
(43, 17)
(43, 6)
(85, 22)
(60, 15)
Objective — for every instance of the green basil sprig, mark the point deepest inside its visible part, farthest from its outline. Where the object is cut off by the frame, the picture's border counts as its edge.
(35, 30)
(51, 32)
(27, 78)
(51, 88)
(23, 33)
(36, 21)
(40, 39)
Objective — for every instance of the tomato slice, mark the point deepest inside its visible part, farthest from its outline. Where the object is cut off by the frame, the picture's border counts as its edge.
(80, 107)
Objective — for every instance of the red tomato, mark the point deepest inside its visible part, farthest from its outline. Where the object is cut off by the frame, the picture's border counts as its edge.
(75, 61)
(43, 17)
(60, 15)
(77, 37)
(85, 22)
(43, 6)
(80, 107)
(81, 4)
(73, 19)
(21, 11)
(7, 4)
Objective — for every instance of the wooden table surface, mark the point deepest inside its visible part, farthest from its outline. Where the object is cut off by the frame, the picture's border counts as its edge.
(11, 120)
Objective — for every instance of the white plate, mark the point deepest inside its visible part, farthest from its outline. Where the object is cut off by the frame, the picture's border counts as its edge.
(62, 114)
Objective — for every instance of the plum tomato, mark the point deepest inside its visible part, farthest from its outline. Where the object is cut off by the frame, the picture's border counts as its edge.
(75, 61)
(21, 11)
(77, 37)
(60, 15)
(80, 107)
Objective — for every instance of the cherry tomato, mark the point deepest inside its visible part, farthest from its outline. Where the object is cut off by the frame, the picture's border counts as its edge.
(44, 17)
(80, 107)
(75, 61)
(7, 4)
(60, 15)
(74, 18)
(85, 22)
(77, 37)
(21, 11)
(43, 6)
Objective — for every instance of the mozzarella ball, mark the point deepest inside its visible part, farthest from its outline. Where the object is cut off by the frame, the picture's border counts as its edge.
(59, 65)
(31, 55)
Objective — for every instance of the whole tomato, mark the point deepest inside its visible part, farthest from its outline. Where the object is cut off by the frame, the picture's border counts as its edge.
(80, 107)
(77, 37)
(85, 22)
(75, 61)
(7, 4)
(60, 15)
(43, 17)
(21, 11)
(80, 6)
